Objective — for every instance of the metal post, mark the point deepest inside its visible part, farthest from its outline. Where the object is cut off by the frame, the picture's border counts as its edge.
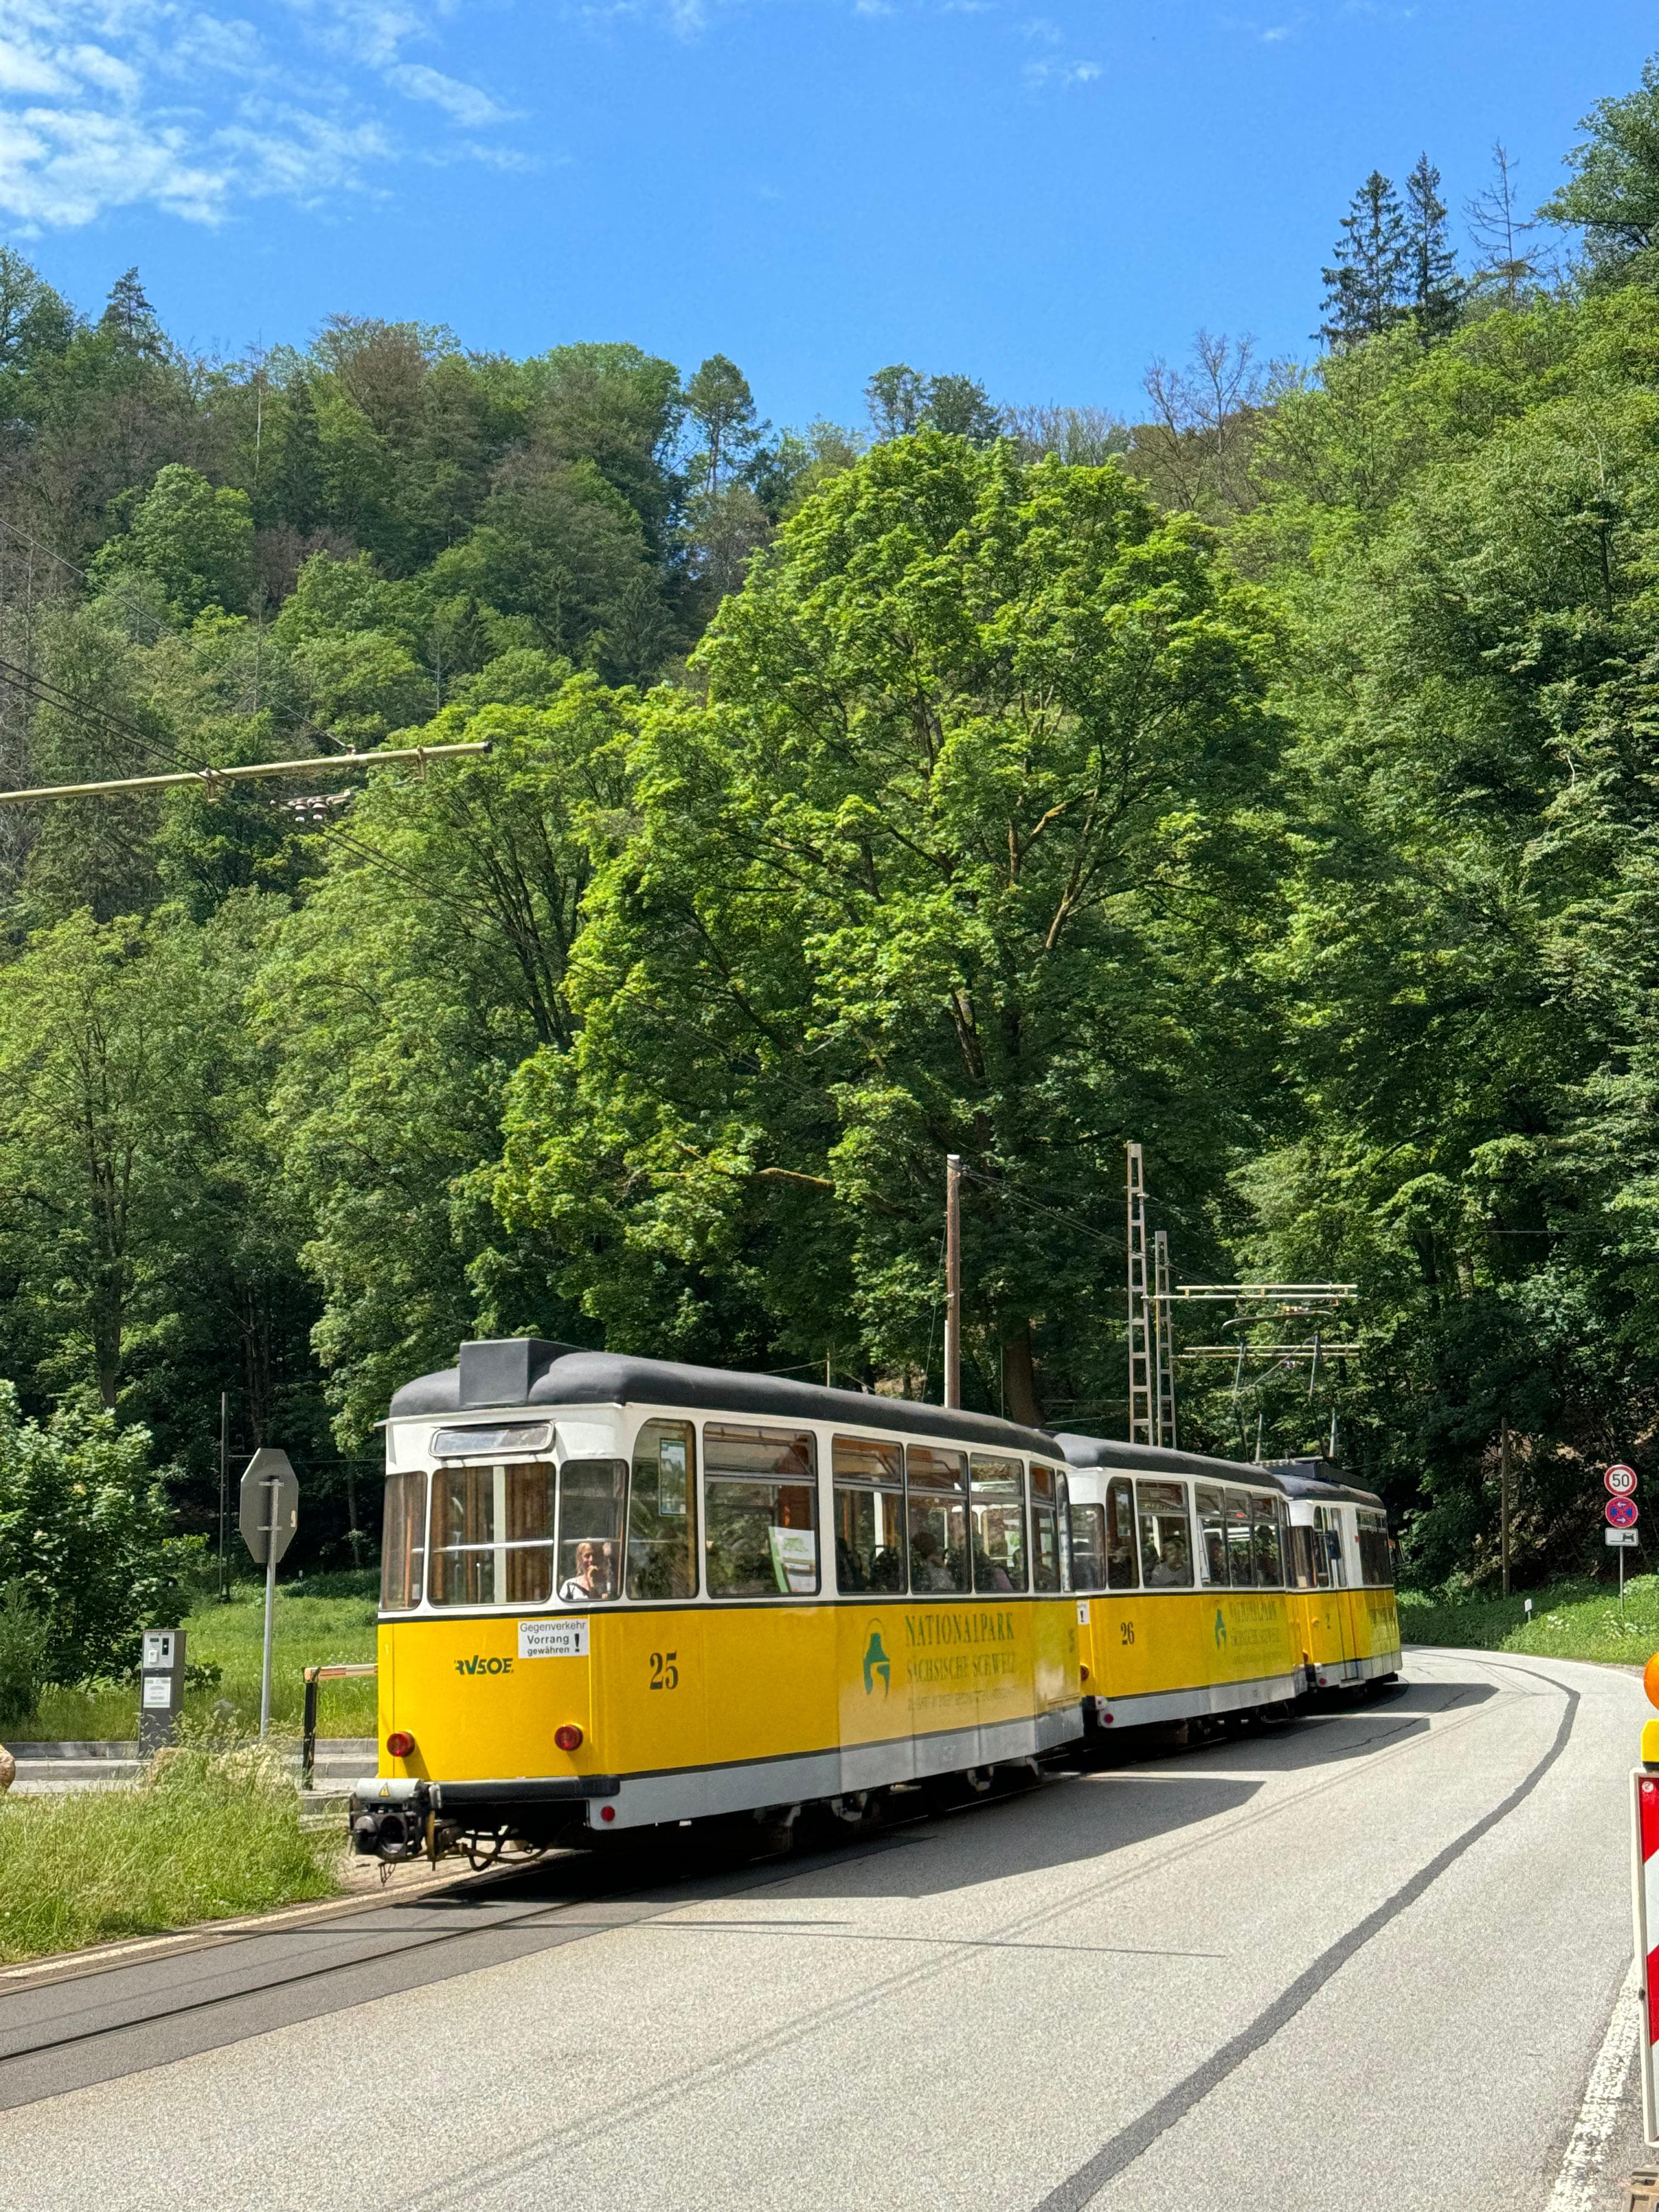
(953, 1279)
(309, 1735)
(224, 1487)
(1504, 1495)
(1621, 1582)
(1163, 1349)
(1142, 1412)
(271, 1488)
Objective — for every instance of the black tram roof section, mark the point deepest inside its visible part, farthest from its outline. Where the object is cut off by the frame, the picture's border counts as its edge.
(490, 1376)
(1109, 1457)
(1320, 1480)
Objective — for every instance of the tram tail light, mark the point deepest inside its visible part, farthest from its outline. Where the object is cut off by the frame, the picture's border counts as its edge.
(569, 1738)
(400, 1743)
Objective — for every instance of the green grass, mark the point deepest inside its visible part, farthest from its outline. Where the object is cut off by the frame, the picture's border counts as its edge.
(1570, 1620)
(309, 1630)
(208, 1833)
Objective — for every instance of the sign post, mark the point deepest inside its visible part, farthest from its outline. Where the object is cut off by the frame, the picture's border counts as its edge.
(162, 1688)
(268, 1516)
(1622, 1514)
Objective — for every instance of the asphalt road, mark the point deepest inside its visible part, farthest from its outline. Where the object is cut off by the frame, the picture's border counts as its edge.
(1369, 1959)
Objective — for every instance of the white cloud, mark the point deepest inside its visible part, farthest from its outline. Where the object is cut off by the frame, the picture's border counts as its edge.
(464, 102)
(107, 104)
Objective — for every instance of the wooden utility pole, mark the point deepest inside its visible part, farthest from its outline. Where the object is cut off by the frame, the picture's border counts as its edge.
(953, 1279)
(1503, 1495)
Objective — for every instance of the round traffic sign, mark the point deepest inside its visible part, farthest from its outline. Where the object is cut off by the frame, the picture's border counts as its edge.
(1620, 1479)
(1622, 1512)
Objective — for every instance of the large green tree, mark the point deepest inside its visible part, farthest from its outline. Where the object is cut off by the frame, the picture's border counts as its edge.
(948, 857)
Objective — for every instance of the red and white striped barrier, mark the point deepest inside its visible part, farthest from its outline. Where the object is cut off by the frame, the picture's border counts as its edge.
(1644, 1900)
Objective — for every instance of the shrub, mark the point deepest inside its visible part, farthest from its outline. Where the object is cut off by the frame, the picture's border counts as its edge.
(24, 1634)
(84, 1533)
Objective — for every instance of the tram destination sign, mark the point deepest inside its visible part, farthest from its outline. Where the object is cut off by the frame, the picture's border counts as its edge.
(1620, 1479)
(1623, 1512)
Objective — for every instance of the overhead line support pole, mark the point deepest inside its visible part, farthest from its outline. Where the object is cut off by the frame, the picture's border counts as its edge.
(1141, 1410)
(953, 1278)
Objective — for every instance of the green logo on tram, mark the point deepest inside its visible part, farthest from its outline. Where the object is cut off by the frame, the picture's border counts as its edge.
(876, 1661)
(1220, 1629)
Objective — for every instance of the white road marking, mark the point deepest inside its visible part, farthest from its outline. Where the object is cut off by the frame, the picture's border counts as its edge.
(1577, 2185)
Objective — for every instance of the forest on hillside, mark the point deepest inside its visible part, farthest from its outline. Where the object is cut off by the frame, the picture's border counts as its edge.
(1273, 780)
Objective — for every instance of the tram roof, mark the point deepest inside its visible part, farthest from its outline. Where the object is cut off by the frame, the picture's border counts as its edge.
(1302, 1479)
(510, 1371)
(1107, 1454)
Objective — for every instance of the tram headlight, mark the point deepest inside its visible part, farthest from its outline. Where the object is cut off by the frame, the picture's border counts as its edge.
(569, 1738)
(400, 1743)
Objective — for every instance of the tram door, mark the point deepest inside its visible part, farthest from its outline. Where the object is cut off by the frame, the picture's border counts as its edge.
(1328, 1532)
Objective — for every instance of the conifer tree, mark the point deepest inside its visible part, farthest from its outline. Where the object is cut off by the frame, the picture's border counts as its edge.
(1436, 289)
(131, 317)
(1368, 290)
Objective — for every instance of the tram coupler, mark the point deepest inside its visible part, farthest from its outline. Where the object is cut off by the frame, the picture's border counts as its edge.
(392, 1825)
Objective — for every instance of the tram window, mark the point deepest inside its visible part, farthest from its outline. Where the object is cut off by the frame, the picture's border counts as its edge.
(1063, 1523)
(591, 1494)
(869, 1514)
(1212, 1530)
(1047, 1521)
(1328, 1525)
(1122, 1569)
(1269, 1561)
(403, 1546)
(1166, 1538)
(761, 1494)
(1302, 1555)
(997, 1523)
(662, 1512)
(492, 1534)
(1239, 1553)
(1375, 1565)
(1088, 1547)
(937, 1519)
(1318, 1552)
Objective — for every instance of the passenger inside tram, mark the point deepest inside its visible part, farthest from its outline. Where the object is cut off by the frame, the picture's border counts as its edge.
(593, 1581)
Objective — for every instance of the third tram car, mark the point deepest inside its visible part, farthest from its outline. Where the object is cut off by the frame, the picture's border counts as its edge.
(1344, 1571)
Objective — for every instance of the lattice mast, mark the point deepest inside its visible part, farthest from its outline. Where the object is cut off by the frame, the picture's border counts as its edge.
(1163, 1343)
(1143, 1406)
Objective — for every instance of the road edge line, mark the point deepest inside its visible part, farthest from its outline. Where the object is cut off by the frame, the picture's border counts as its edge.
(1577, 2185)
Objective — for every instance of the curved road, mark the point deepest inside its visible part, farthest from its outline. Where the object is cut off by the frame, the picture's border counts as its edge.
(1368, 1959)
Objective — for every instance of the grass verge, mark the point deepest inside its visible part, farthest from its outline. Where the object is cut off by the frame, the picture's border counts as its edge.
(213, 1830)
(1570, 1620)
(308, 1632)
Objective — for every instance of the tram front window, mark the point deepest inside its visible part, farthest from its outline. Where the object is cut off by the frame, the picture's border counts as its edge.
(760, 1490)
(998, 1523)
(938, 1520)
(1088, 1547)
(869, 1509)
(492, 1534)
(402, 1548)
(662, 1512)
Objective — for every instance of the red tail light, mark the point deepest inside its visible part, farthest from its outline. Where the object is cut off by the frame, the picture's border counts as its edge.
(399, 1743)
(569, 1738)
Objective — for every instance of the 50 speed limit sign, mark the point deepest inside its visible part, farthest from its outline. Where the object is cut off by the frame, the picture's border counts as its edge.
(1620, 1479)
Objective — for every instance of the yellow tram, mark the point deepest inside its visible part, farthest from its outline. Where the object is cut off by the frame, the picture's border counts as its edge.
(1344, 1609)
(618, 1592)
(1186, 1564)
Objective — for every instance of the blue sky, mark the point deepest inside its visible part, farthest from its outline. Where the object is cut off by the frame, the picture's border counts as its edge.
(1042, 193)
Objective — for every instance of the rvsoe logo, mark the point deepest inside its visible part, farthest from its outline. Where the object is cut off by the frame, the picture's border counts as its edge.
(876, 1661)
(478, 1664)
(1220, 1629)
